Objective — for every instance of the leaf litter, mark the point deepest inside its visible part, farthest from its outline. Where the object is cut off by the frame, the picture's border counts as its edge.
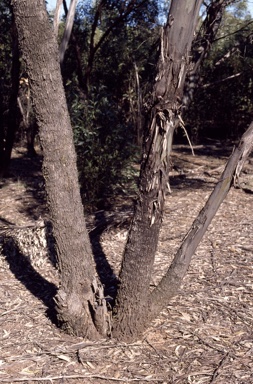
(203, 336)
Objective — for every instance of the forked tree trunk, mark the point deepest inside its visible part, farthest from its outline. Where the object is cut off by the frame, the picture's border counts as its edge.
(136, 307)
(77, 303)
(136, 270)
(80, 303)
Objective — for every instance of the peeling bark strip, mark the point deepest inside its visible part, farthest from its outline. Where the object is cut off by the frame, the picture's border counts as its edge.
(168, 286)
(76, 301)
(165, 103)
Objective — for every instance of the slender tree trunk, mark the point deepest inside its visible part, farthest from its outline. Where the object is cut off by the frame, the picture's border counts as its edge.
(57, 16)
(74, 42)
(67, 30)
(94, 46)
(201, 46)
(8, 140)
(29, 125)
(79, 308)
(136, 270)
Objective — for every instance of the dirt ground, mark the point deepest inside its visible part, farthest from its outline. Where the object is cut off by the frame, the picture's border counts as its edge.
(203, 336)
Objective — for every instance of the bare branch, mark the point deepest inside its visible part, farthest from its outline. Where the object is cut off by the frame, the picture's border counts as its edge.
(69, 377)
(68, 29)
(123, 14)
(234, 33)
(202, 45)
(222, 81)
(57, 16)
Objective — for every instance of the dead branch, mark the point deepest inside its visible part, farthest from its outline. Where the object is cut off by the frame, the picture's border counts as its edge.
(57, 16)
(67, 30)
(62, 377)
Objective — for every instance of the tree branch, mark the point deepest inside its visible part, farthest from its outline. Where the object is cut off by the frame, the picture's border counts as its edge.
(57, 16)
(222, 81)
(119, 19)
(68, 29)
(202, 45)
(170, 283)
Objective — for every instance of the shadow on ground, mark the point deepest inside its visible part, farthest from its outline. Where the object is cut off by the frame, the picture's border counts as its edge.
(22, 269)
(28, 171)
(104, 269)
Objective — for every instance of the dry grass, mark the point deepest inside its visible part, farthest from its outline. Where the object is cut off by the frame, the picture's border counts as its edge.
(203, 336)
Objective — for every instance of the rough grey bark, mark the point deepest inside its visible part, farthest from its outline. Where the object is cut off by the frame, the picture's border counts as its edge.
(80, 303)
(131, 302)
(77, 302)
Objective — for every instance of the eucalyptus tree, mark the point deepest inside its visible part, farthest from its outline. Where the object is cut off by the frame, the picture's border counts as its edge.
(80, 301)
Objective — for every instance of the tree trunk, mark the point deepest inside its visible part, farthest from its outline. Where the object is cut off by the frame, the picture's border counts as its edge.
(201, 46)
(121, 16)
(7, 141)
(80, 303)
(77, 303)
(67, 30)
(57, 14)
(138, 113)
(131, 302)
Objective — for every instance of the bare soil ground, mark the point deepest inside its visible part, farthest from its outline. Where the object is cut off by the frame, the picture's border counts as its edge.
(203, 336)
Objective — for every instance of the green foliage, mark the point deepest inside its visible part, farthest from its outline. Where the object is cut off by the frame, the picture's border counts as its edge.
(104, 125)
(5, 52)
(104, 147)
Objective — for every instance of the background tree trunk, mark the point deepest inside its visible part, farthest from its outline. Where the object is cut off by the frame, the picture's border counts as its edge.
(57, 14)
(131, 302)
(75, 302)
(67, 30)
(7, 141)
(201, 46)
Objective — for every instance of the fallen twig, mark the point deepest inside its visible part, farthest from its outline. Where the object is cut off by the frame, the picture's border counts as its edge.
(66, 377)
(216, 371)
